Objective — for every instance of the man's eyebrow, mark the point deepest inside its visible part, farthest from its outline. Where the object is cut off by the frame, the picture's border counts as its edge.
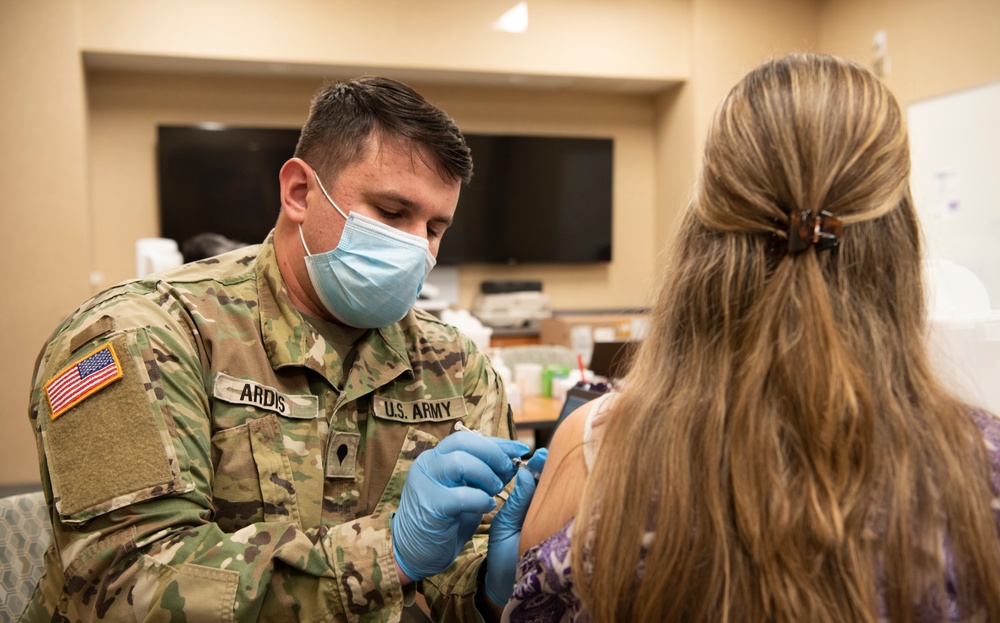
(388, 196)
(443, 220)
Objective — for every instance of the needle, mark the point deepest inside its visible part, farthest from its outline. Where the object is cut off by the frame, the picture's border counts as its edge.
(517, 461)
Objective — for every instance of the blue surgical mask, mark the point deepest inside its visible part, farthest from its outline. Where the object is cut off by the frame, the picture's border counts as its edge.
(373, 276)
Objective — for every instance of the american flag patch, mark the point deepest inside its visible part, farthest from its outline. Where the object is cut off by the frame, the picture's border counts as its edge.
(85, 377)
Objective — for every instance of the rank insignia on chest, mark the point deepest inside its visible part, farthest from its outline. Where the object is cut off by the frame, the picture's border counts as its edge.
(82, 379)
(342, 454)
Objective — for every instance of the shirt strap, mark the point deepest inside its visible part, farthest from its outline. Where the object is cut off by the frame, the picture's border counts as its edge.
(592, 434)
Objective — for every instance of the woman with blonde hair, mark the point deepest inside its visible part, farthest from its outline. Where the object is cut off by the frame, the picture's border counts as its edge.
(781, 450)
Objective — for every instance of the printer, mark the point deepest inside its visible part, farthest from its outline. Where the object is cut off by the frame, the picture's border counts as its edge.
(511, 304)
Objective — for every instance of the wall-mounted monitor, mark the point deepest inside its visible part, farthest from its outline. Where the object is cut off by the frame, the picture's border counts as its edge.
(220, 180)
(533, 199)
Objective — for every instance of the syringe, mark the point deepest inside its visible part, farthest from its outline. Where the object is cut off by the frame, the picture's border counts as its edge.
(517, 461)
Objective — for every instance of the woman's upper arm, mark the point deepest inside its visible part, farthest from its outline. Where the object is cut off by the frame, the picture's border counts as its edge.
(561, 484)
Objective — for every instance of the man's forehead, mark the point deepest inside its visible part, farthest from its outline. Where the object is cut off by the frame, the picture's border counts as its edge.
(379, 147)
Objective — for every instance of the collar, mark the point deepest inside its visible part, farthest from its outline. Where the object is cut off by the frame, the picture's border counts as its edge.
(290, 340)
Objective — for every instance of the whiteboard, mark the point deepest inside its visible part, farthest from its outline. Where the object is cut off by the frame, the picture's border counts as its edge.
(955, 178)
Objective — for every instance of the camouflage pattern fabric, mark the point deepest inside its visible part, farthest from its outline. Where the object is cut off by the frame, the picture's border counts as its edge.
(231, 473)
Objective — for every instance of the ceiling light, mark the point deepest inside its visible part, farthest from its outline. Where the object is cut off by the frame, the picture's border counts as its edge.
(514, 20)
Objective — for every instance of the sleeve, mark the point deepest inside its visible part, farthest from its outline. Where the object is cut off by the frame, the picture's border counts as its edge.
(128, 473)
(452, 593)
(543, 588)
(990, 426)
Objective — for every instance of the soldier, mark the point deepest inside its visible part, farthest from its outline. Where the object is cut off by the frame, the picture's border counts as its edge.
(268, 434)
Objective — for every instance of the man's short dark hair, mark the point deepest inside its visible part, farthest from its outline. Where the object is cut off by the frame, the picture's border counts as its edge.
(344, 115)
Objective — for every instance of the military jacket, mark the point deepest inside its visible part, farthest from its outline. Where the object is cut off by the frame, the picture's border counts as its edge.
(205, 451)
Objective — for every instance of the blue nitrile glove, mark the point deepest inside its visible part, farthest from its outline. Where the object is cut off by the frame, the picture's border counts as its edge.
(447, 492)
(505, 531)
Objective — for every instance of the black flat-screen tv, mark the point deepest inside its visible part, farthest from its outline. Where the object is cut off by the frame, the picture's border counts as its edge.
(220, 180)
(532, 199)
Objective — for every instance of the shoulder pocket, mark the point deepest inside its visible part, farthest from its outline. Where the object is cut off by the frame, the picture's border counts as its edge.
(106, 441)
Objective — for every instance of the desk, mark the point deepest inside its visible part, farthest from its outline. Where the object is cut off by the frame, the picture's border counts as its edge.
(539, 414)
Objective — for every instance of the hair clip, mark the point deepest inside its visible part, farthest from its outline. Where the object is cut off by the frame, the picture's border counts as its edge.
(807, 228)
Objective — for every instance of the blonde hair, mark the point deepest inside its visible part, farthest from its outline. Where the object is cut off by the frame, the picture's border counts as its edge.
(781, 442)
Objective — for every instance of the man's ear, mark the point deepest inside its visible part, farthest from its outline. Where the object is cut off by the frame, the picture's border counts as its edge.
(294, 181)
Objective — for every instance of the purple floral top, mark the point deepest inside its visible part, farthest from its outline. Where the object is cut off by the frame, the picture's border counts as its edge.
(544, 591)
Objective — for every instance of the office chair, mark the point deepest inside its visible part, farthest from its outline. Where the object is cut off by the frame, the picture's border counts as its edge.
(25, 534)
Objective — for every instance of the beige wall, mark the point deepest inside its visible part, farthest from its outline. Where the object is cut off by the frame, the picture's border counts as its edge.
(574, 40)
(77, 154)
(46, 254)
(936, 46)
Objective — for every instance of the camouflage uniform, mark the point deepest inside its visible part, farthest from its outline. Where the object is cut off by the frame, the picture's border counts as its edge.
(232, 473)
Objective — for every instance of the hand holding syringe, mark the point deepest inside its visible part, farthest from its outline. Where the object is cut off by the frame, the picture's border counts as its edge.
(518, 462)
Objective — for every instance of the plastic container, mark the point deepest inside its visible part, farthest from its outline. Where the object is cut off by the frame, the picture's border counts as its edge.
(550, 373)
(528, 377)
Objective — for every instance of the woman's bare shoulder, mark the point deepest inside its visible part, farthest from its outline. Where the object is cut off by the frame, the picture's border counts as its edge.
(561, 484)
